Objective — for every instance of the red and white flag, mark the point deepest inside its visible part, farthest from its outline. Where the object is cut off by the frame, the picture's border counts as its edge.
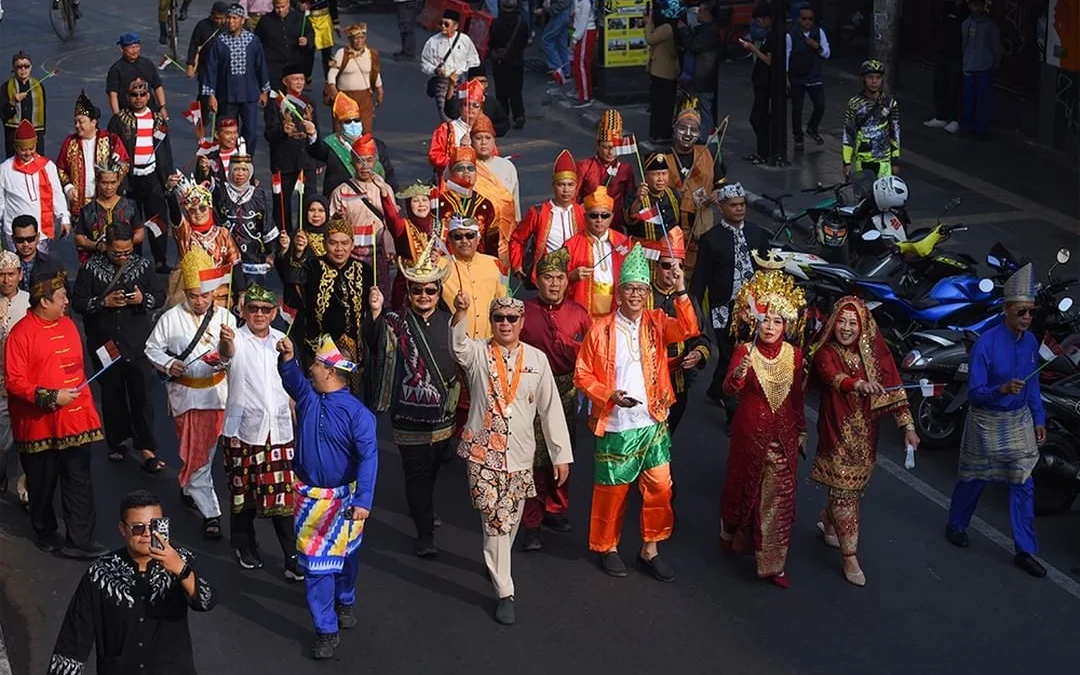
(288, 314)
(363, 235)
(757, 310)
(275, 183)
(931, 389)
(194, 113)
(163, 63)
(108, 354)
(155, 226)
(1049, 349)
(212, 279)
(206, 146)
(299, 187)
(651, 214)
(627, 145)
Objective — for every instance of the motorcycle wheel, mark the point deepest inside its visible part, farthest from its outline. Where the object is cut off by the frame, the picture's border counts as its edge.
(1055, 493)
(936, 429)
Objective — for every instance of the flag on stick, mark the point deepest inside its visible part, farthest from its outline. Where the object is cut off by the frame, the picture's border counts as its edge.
(651, 214)
(194, 113)
(275, 183)
(364, 235)
(212, 279)
(155, 226)
(1049, 349)
(108, 354)
(627, 145)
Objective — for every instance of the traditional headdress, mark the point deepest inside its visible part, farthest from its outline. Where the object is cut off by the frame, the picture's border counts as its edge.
(84, 106)
(257, 293)
(345, 108)
(462, 154)
(417, 189)
(194, 261)
(1021, 285)
(241, 155)
(364, 146)
(598, 197)
(356, 29)
(556, 261)
(236, 9)
(656, 162)
(337, 223)
(41, 286)
(512, 304)
(111, 164)
(463, 223)
(874, 352)
(226, 123)
(430, 265)
(672, 244)
(769, 290)
(482, 125)
(328, 354)
(471, 90)
(9, 261)
(565, 168)
(635, 268)
(689, 108)
(292, 69)
(767, 260)
(610, 127)
(732, 191)
(138, 86)
(192, 194)
(25, 135)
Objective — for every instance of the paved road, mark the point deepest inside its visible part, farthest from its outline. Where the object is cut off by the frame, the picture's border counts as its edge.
(928, 608)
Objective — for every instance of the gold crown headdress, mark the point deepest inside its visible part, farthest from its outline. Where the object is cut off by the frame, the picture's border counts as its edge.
(769, 291)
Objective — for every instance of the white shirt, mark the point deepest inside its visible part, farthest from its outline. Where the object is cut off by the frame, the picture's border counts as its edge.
(173, 332)
(603, 265)
(629, 377)
(562, 226)
(507, 174)
(584, 18)
(459, 60)
(460, 129)
(88, 152)
(257, 407)
(20, 193)
(11, 310)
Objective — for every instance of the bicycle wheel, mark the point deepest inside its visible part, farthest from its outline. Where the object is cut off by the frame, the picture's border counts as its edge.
(62, 19)
(173, 30)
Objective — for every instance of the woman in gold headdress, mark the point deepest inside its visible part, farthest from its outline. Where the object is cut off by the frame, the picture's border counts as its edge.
(757, 507)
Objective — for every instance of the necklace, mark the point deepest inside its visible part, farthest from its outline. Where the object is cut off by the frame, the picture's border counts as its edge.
(776, 375)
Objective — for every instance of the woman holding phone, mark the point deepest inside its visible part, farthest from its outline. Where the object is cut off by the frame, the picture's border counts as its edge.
(761, 79)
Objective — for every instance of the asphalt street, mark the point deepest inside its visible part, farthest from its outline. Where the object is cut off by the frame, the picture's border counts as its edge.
(928, 607)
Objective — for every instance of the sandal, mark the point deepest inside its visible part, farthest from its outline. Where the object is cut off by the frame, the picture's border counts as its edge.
(117, 456)
(151, 462)
(211, 528)
(757, 161)
(751, 157)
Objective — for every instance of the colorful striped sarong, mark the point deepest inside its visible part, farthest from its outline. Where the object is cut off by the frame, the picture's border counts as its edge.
(998, 446)
(324, 535)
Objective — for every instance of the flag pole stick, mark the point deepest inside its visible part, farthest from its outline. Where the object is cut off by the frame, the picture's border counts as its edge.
(1039, 369)
(93, 377)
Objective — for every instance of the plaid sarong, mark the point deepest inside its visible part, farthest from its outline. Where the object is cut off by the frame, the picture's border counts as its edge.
(324, 536)
(998, 446)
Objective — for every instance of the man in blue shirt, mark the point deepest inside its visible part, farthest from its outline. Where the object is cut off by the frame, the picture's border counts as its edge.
(1005, 425)
(236, 81)
(335, 464)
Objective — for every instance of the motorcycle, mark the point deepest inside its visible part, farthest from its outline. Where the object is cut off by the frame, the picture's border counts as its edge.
(1057, 474)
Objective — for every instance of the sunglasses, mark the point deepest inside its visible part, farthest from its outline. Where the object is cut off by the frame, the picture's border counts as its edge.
(599, 216)
(463, 168)
(463, 235)
(138, 94)
(447, 23)
(199, 208)
(670, 265)
(427, 290)
(508, 318)
(259, 309)
(25, 240)
(138, 529)
(21, 66)
(1025, 311)
(122, 254)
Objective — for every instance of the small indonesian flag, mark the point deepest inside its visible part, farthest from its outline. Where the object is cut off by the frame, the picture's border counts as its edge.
(212, 359)
(931, 389)
(155, 226)
(206, 146)
(163, 63)
(757, 310)
(459, 189)
(194, 113)
(650, 252)
(363, 235)
(210, 280)
(651, 214)
(288, 314)
(1049, 349)
(627, 145)
(108, 354)
(299, 187)
(275, 183)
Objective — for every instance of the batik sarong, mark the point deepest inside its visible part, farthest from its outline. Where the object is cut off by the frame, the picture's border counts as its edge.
(998, 446)
(260, 477)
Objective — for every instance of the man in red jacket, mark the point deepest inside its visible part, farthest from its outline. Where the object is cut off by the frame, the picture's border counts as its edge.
(54, 420)
(551, 224)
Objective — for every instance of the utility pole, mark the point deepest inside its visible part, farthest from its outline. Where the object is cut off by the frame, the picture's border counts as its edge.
(778, 98)
(884, 31)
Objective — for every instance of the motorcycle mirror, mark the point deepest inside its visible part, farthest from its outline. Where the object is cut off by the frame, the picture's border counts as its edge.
(1063, 256)
(1065, 304)
(871, 235)
(986, 285)
(993, 261)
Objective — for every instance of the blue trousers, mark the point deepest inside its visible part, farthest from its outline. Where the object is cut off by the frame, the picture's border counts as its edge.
(965, 498)
(324, 591)
(247, 117)
(978, 88)
(556, 42)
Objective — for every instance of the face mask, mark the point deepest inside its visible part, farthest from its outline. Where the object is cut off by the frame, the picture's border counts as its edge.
(352, 129)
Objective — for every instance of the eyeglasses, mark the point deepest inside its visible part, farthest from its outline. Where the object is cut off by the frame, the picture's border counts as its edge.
(426, 290)
(508, 318)
(138, 529)
(636, 290)
(463, 168)
(1025, 311)
(599, 216)
(25, 240)
(463, 235)
(199, 208)
(138, 94)
(670, 265)
(259, 309)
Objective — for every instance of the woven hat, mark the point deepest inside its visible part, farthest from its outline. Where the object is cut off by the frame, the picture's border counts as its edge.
(194, 261)
(635, 268)
(1021, 285)
(610, 127)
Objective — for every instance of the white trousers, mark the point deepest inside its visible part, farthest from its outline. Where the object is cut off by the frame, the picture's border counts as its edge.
(497, 558)
(201, 488)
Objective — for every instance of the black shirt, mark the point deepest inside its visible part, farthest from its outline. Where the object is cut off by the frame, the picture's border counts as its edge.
(123, 72)
(279, 37)
(135, 621)
(42, 266)
(762, 73)
(128, 327)
(201, 35)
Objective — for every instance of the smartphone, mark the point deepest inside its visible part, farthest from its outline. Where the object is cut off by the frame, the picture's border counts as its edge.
(159, 532)
(631, 401)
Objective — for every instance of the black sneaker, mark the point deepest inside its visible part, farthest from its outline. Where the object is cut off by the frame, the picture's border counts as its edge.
(519, 122)
(49, 543)
(425, 546)
(504, 611)
(557, 522)
(325, 643)
(88, 552)
(798, 146)
(533, 542)
(78, 12)
(293, 571)
(816, 137)
(249, 559)
(957, 537)
(345, 617)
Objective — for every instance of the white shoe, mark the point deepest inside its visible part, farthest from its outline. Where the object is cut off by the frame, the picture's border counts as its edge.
(952, 127)
(935, 123)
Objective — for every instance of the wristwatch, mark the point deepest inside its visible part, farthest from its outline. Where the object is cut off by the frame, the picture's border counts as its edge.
(184, 573)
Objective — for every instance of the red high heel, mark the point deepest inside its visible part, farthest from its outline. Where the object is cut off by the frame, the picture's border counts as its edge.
(780, 580)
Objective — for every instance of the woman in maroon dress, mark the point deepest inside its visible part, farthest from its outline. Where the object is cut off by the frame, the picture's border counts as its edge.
(757, 507)
(859, 383)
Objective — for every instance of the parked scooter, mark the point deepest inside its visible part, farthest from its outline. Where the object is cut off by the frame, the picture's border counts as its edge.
(1057, 475)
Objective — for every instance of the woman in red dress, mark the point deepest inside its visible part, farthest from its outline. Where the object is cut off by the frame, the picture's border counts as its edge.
(859, 383)
(757, 507)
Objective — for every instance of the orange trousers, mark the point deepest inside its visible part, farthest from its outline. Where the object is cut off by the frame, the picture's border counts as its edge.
(609, 509)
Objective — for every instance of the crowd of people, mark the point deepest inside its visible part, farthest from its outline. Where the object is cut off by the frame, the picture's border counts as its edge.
(417, 300)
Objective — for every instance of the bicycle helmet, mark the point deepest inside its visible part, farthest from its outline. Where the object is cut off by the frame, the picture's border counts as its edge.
(890, 192)
(871, 67)
(831, 231)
